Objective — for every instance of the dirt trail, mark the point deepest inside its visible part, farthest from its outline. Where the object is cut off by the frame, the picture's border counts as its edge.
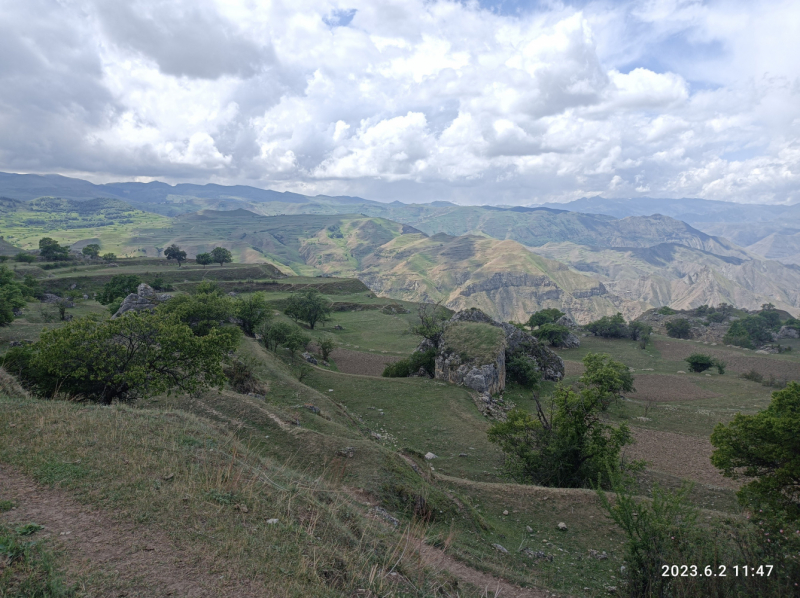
(134, 561)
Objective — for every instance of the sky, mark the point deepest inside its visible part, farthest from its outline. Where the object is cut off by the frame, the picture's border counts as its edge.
(476, 102)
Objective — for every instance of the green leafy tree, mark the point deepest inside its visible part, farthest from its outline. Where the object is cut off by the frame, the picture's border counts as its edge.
(296, 341)
(412, 364)
(680, 328)
(204, 259)
(92, 250)
(252, 311)
(545, 316)
(770, 315)
(3, 259)
(51, 251)
(119, 287)
(569, 448)
(764, 449)
(220, 255)
(11, 296)
(326, 346)
(432, 321)
(24, 257)
(308, 305)
(274, 334)
(204, 311)
(639, 331)
(138, 355)
(609, 327)
(553, 334)
(522, 370)
(749, 332)
(605, 379)
(109, 257)
(173, 252)
(699, 362)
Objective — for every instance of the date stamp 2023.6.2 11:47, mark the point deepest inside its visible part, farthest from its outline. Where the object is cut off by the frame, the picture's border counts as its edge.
(716, 571)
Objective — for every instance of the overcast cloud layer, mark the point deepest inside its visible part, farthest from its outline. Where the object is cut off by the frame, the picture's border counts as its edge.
(409, 100)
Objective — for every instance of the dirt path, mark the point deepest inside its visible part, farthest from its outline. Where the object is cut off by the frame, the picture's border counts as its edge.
(490, 586)
(132, 560)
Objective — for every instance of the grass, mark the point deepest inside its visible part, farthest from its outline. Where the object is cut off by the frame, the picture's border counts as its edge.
(30, 567)
(475, 341)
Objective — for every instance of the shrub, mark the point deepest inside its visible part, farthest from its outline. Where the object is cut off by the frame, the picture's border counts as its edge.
(570, 448)
(699, 362)
(159, 284)
(667, 311)
(770, 315)
(308, 305)
(411, 365)
(92, 250)
(273, 335)
(296, 341)
(241, 377)
(680, 328)
(545, 316)
(108, 257)
(138, 355)
(522, 369)
(24, 257)
(753, 376)
(326, 346)
(553, 334)
(119, 287)
(748, 332)
(203, 311)
(609, 327)
(716, 317)
(605, 379)
(639, 331)
(252, 311)
(11, 296)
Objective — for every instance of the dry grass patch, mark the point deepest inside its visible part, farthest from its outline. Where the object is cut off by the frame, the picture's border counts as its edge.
(360, 363)
(660, 387)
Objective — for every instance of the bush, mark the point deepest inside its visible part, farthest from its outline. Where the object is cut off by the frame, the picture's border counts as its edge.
(667, 311)
(138, 355)
(770, 315)
(252, 311)
(748, 332)
(11, 296)
(545, 316)
(609, 327)
(553, 334)
(326, 346)
(119, 287)
(273, 335)
(639, 331)
(241, 377)
(522, 369)
(699, 362)
(680, 328)
(296, 341)
(605, 379)
(753, 376)
(24, 257)
(203, 311)
(571, 448)
(411, 365)
(716, 318)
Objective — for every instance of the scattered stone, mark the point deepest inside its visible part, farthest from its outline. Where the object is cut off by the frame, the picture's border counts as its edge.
(348, 451)
(338, 327)
(787, 332)
(310, 358)
(529, 529)
(232, 294)
(505, 512)
(168, 477)
(386, 516)
(681, 372)
(536, 554)
(596, 554)
(313, 409)
(562, 526)
(430, 456)
(272, 521)
(500, 548)
(145, 298)
(242, 508)
(85, 296)
(463, 455)
(611, 589)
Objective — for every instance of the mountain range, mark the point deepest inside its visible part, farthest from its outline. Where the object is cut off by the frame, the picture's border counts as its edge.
(595, 258)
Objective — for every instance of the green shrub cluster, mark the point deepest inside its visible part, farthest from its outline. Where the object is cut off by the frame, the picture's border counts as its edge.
(680, 328)
(700, 362)
(412, 364)
(545, 316)
(616, 327)
(553, 334)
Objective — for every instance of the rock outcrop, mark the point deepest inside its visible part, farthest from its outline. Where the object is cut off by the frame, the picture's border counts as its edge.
(144, 298)
(487, 376)
(787, 332)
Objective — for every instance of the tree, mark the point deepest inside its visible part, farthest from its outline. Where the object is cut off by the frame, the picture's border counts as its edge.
(570, 448)
(326, 346)
(764, 448)
(296, 341)
(275, 334)
(204, 259)
(24, 257)
(252, 311)
(173, 252)
(680, 328)
(545, 316)
(3, 259)
(553, 334)
(431, 322)
(522, 370)
(11, 296)
(605, 379)
(119, 287)
(109, 257)
(92, 250)
(138, 355)
(308, 305)
(748, 331)
(411, 365)
(203, 311)
(51, 251)
(609, 327)
(770, 315)
(220, 255)
(699, 362)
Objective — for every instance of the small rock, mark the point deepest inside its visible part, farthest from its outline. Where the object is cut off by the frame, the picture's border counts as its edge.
(463, 455)
(168, 477)
(430, 456)
(386, 516)
(313, 409)
(529, 529)
(611, 589)
(681, 372)
(272, 521)
(505, 512)
(562, 526)
(310, 358)
(242, 508)
(348, 452)
(500, 548)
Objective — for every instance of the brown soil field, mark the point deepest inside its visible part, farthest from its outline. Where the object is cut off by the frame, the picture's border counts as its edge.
(738, 361)
(660, 387)
(363, 364)
(679, 455)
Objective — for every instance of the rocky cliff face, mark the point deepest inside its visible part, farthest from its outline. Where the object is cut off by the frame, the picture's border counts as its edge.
(145, 298)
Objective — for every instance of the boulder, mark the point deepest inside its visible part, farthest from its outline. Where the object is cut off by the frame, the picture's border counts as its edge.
(144, 298)
(310, 358)
(787, 332)
(50, 298)
(566, 321)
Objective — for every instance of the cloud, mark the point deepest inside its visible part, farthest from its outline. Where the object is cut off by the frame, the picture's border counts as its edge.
(490, 102)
